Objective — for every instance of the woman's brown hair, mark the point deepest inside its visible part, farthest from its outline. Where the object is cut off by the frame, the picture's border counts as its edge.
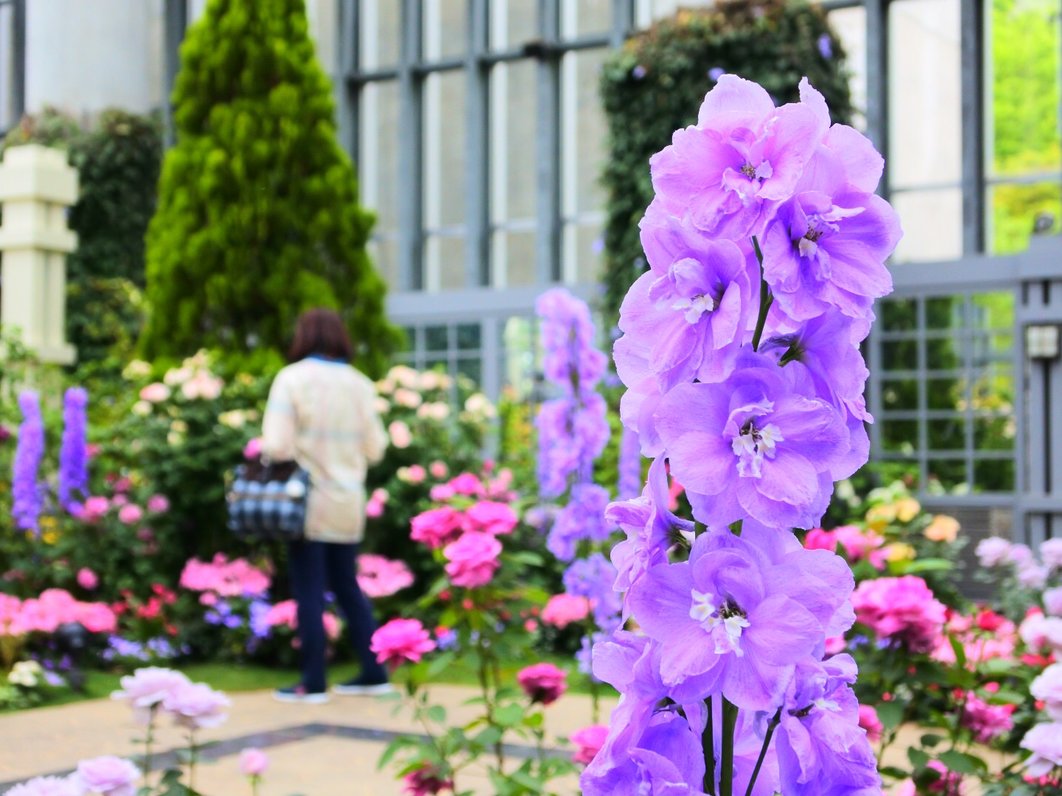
(320, 331)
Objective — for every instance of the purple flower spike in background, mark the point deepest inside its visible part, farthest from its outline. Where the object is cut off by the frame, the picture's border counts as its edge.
(73, 451)
(26, 491)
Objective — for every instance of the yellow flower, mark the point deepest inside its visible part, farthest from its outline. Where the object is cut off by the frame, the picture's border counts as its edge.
(942, 528)
(898, 551)
(907, 509)
(880, 516)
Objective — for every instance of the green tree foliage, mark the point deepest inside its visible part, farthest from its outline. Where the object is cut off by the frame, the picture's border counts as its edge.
(258, 217)
(1026, 94)
(117, 158)
(655, 83)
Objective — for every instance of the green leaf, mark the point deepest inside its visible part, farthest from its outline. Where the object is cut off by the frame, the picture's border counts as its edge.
(917, 757)
(890, 714)
(436, 714)
(509, 715)
(963, 763)
(931, 739)
(926, 565)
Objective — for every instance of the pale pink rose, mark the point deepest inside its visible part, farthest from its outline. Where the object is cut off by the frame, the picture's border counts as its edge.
(563, 609)
(1051, 553)
(1053, 601)
(401, 640)
(202, 385)
(382, 577)
(835, 645)
(10, 608)
(434, 410)
(438, 469)
(146, 689)
(48, 786)
(406, 397)
(197, 705)
(1045, 743)
(993, 551)
(208, 598)
(543, 682)
(441, 492)
(158, 504)
(401, 437)
(253, 762)
(253, 448)
(414, 474)
(331, 625)
(130, 514)
(490, 517)
(1047, 687)
(588, 742)
(93, 508)
(87, 579)
(472, 559)
(901, 608)
(374, 507)
(1032, 575)
(857, 543)
(155, 393)
(869, 721)
(108, 776)
(1039, 631)
(436, 527)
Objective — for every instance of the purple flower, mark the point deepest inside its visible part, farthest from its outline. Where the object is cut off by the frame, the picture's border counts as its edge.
(629, 483)
(108, 775)
(569, 357)
(825, 45)
(638, 72)
(258, 612)
(73, 451)
(582, 519)
(742, 156)
(593, 577)
(715, 73)
(571, 434)
(759, 444)
(821, 747)
(730, 621)
(27, 492)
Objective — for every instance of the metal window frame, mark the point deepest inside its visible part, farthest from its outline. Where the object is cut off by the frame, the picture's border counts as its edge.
(18, 59)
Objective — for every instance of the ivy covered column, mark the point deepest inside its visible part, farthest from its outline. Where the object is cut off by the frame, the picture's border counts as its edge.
(36, 188)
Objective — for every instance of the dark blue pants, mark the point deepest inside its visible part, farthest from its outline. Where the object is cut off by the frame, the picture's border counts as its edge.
(317, 567)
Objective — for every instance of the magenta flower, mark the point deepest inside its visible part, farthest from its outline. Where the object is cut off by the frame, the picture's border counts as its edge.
(472, 560)
(158, 504)
(900, 609)
(985, 720)
(759, 444)
(426, 781)
(588, 742)
(436, 527)
(543, 682)
(563, 609)
(401, 640)
(108, 776)
(488, 516)
(381, 577)
(130, 514)
(87, 579)
(869, 721)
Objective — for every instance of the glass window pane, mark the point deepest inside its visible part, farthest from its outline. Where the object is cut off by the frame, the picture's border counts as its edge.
(445, 263)
(378, 158)
(950, 473)
(512, 22)
(513, 144)
(384, 255)
(582, 253)
(899, 394)
(947, 434)
(932, 225)
(994, 475)
(472, 369)
(444, 150)
(924, 94)
(380, 28)
(584, 132)
(943, 354)
(586, 17)
(944, 393)
(1020, 211)
(994, 433)
(899, 354)
(899, 315)
(468, 336)
(513, 259)
(445, 28)
(850, 25)
(899, 435)
(436, 338)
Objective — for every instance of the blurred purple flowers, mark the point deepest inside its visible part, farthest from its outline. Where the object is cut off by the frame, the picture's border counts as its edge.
(27, 491)
(73, 451)
(740, 353)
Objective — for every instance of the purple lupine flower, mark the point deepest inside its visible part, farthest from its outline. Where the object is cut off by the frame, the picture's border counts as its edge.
(629, 483)
(715, 73)
(73, 451)
(694, 304)
(821, 747)
(27, 492)
(759, 444)
(825, 45)
(592, 577)
(571, 434)
(258, 613)
(743, 156)
(728, 621)
(582, 519)
(569, 357)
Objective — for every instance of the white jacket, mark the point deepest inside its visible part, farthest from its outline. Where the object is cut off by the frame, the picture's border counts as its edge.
(323, 415)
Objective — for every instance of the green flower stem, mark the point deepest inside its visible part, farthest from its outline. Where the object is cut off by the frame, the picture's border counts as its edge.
(763, 751)
(726, 769)
(149, 739)
(766, 299)
(708, 745)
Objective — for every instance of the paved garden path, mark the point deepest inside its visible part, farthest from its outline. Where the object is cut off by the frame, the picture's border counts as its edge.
(315, 750)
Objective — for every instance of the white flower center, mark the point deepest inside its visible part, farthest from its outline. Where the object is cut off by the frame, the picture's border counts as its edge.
(724, 623)
(694, 307)
(752, 445)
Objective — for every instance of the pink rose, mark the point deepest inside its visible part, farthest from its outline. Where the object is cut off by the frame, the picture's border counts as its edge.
(473, 559)
(158, 504)
(901, 608)
(253, 762)
(441, 492)
(401, 436)
(197, 705)
(401, 640)
(87, 579)
(382, 577)
(543, 682)
(416, 474)
(869, 721)
(108, 775)
(588, 742)
(48, 786)
(436, 527)
(94, 508)
(466, 484)
(130, 514)
(819, 539)
(438, 469)
(1047, 687)
(147, 688)
(426, 781)
(490, 517)
(374, 507)
(253, 448)
(563, 609)
(155, 393)
(985, 720)
(1051, 553)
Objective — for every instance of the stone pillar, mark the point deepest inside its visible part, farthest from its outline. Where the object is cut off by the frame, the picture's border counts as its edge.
(36, 187)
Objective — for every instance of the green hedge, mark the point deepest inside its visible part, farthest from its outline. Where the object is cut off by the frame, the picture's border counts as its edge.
(654, 85)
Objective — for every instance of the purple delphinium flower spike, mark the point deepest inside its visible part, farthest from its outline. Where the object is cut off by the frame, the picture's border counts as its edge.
(629, 483)
(73, 450)
(27, 492)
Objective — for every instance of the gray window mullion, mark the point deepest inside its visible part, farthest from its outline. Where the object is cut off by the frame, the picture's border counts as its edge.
(477, 144)
(174, 25)
(622, 21)
(972, 36)
(411, 152)
(348, 93)
(877, 14)
(548, 242)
